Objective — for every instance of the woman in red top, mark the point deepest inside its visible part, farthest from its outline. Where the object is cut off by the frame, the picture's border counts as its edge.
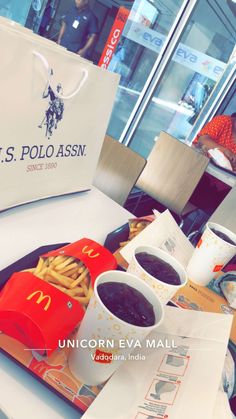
(219, 133)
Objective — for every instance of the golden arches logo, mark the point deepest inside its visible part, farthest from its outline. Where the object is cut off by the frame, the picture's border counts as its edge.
(41, 298)
(89, 252)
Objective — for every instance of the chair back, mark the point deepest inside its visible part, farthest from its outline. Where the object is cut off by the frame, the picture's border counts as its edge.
(172, 172)
(225, 214)
(118, 170)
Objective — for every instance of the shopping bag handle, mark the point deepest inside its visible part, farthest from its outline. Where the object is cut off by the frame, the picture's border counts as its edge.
(49, 77)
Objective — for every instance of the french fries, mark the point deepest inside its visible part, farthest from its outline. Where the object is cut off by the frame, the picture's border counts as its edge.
(135, 227)
(67, 274)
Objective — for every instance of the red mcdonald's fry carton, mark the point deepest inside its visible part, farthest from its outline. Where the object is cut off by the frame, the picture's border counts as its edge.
(38, 314)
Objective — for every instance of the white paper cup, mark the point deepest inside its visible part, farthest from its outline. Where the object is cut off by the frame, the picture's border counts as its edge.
(164, 291)
(112, 338)
(212, 253)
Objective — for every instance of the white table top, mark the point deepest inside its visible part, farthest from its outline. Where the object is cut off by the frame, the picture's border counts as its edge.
(56, 220)
(220, 174)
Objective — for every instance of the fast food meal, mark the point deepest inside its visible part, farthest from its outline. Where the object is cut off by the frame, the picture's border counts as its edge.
(66, 273)
(52, 296)
(136, 225)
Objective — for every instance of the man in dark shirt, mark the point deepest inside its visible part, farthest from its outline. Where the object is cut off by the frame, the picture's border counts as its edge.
(79, 29)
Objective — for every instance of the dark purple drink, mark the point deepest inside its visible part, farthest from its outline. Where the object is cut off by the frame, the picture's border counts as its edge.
(127, 303)
(158, 268)
(223, 236)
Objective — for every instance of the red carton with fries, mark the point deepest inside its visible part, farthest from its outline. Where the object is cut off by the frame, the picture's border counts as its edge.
(37, 314)
(95, 257)
(43, 305)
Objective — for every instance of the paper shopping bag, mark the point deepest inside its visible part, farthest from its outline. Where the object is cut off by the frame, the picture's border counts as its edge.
(11, 25)
(55, 108)
(4, 21)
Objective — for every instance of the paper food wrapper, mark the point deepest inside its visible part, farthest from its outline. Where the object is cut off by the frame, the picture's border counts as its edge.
(228, 287)
(177, 380)
(164, 233)
(199, 298)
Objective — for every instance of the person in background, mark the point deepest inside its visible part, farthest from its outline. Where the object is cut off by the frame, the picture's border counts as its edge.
(47, 15)
(79, 29)
(219, 133)
(117, 59)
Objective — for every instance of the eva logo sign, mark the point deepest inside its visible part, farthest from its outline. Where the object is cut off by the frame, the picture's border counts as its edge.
(154, 40)
(199, 62)
(187, 56)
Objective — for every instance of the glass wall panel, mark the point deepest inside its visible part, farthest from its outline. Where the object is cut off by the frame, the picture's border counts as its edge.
(142, 40)
(228, 106)
(35, 14)
(26, 12)
(16, 10)
(186, 84)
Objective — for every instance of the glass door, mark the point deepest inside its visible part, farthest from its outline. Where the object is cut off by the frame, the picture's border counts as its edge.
(184, 86)
(145, 36)
(228, 106)
(35, 14)
(215, 104)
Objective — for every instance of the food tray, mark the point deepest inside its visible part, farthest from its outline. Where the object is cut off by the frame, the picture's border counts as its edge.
(53, 371)
(117, 236)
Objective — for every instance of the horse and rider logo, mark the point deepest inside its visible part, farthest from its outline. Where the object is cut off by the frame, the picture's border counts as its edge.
(55, 109)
